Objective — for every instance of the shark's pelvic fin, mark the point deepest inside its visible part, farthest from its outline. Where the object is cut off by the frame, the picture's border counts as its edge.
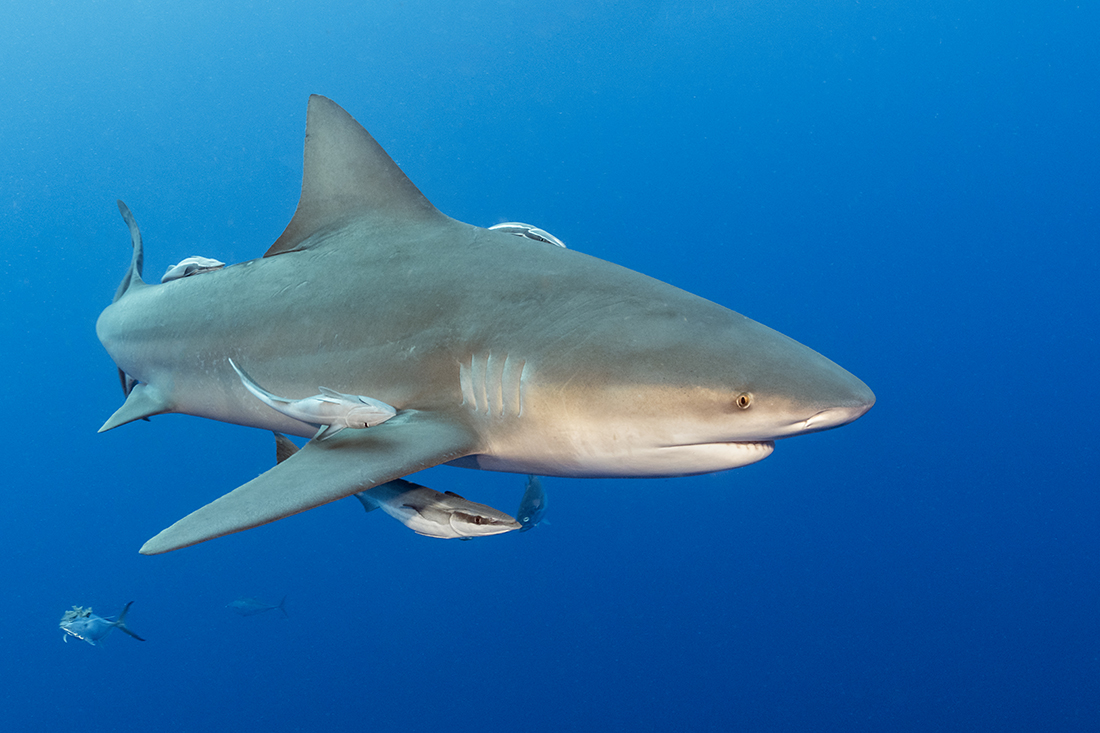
(324, 471)
(346, 173)
(143, 401)
(284, 448)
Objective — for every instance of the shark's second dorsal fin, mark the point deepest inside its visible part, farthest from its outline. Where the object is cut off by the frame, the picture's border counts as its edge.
(346, 173)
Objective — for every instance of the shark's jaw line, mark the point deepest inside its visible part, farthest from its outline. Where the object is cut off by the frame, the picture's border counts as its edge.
(493, 351)
(658, 461)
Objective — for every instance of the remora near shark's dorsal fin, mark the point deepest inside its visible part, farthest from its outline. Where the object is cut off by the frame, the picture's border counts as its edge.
(345, 173)
(132, 278)
(143, 401)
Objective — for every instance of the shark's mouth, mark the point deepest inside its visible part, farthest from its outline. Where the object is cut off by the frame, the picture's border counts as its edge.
(695, 458)
(833, 417)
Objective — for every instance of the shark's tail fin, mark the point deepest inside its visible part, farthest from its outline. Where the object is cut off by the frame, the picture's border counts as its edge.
(282, 607)
(132, 278)
(120, 622)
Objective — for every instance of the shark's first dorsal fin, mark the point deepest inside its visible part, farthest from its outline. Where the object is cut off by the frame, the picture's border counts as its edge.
(345, 173)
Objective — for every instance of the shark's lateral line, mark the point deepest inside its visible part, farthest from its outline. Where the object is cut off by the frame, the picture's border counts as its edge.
(495, 355)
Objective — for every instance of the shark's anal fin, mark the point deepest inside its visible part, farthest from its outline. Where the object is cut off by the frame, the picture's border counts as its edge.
(143, 401)
(324, 471)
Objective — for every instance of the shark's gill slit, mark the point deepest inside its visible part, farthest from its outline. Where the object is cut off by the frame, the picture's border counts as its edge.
(477, 378)
(511, 386)
(494, 385)
(465, 383)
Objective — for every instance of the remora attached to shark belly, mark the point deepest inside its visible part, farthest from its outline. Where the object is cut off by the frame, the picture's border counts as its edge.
(495, 353)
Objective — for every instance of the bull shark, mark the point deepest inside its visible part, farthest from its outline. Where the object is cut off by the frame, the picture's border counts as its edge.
(495, 353)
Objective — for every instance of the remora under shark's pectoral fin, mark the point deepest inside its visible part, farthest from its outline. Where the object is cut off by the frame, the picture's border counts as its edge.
(324, 471)
(143, 401)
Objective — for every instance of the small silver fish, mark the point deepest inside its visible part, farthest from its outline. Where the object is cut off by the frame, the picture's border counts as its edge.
(85, 625)
(532, 506)
(252, 606)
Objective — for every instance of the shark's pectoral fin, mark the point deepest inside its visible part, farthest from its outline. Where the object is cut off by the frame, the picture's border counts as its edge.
(324, 471)
(143, 401)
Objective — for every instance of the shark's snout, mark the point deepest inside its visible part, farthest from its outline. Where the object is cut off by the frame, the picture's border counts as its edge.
(850, 399)
(834, 417)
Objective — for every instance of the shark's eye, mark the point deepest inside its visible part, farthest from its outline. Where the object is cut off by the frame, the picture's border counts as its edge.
(743, 400)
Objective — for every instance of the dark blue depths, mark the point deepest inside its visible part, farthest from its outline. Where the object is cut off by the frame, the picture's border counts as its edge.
(910, 191)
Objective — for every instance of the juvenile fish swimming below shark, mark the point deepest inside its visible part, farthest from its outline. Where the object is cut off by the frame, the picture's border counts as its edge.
(495, 354)
(253, 606)
(532, 505)
(87, 626)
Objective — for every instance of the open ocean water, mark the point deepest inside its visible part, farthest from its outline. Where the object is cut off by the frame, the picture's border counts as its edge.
(909, 188)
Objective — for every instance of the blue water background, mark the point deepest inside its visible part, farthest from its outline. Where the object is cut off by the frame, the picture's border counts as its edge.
(909, 188)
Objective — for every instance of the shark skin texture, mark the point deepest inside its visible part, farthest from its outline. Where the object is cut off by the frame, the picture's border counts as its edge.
(496, 352)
